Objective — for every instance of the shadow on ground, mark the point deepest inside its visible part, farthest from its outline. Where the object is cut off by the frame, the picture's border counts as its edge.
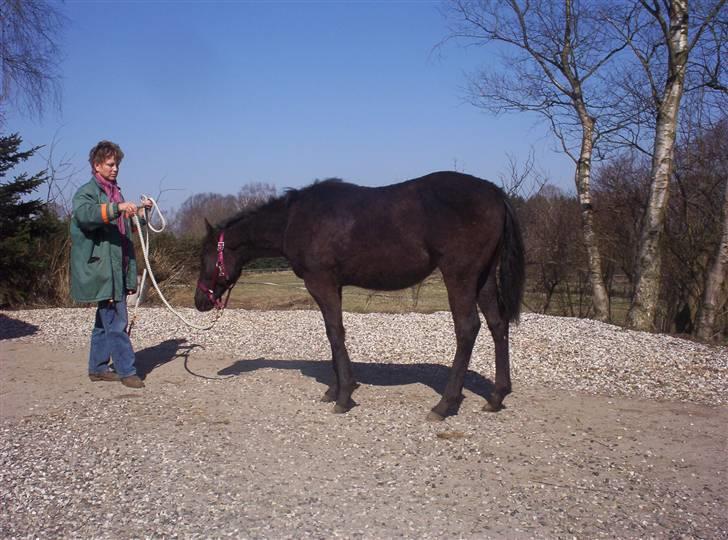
(15, 328)
(433, 375)
(149, 359)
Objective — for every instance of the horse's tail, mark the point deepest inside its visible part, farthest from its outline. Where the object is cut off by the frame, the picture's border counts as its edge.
(512, 275)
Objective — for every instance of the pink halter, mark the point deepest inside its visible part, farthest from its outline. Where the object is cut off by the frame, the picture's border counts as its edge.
(221, 273)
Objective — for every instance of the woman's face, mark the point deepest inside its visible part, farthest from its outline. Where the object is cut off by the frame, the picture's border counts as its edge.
(107, 169)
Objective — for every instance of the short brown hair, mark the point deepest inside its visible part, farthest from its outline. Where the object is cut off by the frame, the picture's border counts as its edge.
(104, 150)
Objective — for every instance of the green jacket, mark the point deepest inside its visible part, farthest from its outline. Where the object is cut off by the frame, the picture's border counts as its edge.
(96, 266)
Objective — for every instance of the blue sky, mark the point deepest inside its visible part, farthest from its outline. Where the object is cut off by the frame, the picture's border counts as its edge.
(208, 96)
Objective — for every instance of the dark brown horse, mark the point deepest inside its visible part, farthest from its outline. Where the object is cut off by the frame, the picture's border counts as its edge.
(387, 238)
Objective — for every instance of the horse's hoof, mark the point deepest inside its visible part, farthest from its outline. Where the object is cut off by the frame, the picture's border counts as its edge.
(489, 407)
(340, 409)
(330, 394)
(432, 416)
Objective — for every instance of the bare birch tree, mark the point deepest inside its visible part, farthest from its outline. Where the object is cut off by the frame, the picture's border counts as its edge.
(29, 54)
(660, 36)
(714, 281)
(712, 69)
(712, 74)
(555, 55)
(522, 179)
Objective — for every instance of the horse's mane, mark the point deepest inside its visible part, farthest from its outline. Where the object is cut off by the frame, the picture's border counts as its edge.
(289, 195)
(252, 211)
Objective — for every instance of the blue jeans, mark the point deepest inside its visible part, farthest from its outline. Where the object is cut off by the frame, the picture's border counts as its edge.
(109, 340)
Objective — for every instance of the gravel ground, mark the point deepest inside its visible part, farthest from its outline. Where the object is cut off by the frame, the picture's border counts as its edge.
(609, 433)
(556, 352)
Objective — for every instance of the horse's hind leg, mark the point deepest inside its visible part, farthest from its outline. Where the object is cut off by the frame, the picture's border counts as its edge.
(328, 297)
(498, 325)
(461, 295)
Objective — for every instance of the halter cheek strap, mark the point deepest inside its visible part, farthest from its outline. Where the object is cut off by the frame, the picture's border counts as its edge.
(220, 264)
(220, 274)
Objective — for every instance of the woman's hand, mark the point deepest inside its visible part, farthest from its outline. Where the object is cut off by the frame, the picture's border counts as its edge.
(146, 203)
(127, 208)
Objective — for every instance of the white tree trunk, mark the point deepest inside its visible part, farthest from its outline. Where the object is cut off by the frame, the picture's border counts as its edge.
(644, 304)
(714, 280)
(600, 298)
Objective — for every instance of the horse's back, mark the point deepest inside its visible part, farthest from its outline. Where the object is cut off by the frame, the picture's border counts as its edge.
(461, 208)
(440, 192)
(393, 236)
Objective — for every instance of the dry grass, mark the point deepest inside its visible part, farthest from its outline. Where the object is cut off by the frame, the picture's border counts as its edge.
(283, 291)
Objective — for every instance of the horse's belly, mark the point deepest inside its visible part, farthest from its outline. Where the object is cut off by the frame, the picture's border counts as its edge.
(386, 271)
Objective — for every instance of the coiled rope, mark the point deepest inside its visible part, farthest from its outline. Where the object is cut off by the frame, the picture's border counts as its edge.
(144, 242)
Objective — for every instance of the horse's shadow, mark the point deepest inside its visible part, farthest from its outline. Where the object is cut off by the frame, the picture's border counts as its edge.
(149, 359)
(433, 375)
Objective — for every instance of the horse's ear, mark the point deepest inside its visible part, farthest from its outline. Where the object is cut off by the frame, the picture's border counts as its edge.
(208, 227)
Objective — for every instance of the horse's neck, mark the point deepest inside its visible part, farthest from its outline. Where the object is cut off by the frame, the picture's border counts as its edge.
(262, 231)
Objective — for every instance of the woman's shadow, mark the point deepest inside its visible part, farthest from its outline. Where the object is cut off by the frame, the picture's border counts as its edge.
(433, 375)
(149, 359)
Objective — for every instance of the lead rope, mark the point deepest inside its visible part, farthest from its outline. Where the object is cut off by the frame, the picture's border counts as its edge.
(144, 242)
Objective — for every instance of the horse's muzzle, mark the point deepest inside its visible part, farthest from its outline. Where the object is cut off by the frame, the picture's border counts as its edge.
(204, 300)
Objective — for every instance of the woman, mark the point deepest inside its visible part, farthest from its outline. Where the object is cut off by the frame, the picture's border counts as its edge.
(103, 266)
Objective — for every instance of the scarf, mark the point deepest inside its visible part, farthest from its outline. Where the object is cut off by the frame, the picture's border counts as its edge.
(114, 194)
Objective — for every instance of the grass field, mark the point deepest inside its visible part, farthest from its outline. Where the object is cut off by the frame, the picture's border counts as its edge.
(283, 290)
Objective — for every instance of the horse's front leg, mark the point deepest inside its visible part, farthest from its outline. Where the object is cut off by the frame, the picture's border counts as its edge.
(328, 297)
(332, 391)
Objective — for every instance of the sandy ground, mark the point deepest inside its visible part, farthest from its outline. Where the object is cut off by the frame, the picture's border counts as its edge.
(218, 445)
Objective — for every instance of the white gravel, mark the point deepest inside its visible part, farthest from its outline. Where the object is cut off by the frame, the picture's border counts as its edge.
(553, 352)
(252, 453)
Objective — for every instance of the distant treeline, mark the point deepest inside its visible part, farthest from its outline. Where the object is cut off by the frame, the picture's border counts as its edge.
(35, 243)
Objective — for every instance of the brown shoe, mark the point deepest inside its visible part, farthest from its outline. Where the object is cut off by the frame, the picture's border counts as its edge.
(104, 376)
(133, 381)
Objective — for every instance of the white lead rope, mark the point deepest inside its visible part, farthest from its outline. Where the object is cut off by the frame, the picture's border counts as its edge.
(148, 267)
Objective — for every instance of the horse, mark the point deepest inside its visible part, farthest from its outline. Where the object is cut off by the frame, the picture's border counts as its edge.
(334, 233)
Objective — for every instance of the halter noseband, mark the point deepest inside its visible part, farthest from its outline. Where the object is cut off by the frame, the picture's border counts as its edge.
(221, 273)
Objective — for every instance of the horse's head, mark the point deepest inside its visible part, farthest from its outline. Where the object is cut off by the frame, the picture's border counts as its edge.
(219, 270)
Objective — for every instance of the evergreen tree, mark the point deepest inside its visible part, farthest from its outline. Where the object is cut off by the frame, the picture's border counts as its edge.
(24, 224)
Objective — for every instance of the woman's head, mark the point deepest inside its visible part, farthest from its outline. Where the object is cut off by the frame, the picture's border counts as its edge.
(105, 159)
